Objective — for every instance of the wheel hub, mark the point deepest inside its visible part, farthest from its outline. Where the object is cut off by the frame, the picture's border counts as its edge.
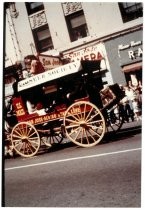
(83, 124)
(24, 139)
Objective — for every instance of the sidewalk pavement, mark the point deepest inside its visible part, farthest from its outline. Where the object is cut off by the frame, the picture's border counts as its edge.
(131, 124)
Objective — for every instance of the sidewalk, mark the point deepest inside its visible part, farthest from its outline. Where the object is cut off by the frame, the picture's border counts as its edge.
(130, 124)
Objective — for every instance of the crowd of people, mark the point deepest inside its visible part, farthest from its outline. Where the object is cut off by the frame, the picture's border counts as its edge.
(131, 104)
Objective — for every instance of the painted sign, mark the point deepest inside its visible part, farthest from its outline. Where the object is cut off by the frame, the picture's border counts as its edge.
(46, 118)
(56, 115)
(95, 52)
(19, 108)
(50, 62)
(133, 54)
(50, 75)
(132, 44)
(131, 51)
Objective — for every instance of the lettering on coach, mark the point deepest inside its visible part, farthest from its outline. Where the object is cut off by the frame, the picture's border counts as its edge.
(49, 75)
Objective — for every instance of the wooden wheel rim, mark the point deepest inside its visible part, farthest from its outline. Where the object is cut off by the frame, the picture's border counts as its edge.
(84, 128)
(25, 139)
(117, 123)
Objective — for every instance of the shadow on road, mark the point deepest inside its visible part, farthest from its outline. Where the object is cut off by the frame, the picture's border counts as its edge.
(122, 134)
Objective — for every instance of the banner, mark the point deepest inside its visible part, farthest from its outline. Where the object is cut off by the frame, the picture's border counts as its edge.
(91, 53)
(50, 62)
(49, 75)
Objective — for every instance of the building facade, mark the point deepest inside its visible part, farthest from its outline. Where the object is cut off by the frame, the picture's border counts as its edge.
(125, 52)
(110, 32)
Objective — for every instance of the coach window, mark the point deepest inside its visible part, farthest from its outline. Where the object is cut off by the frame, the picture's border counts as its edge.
(130, 10)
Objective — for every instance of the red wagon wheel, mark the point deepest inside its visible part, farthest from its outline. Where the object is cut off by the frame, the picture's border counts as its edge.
(84, 124)
(25, 139)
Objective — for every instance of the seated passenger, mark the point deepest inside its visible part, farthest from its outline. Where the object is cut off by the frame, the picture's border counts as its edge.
(30, 107)
(36, 67)
(35, 108)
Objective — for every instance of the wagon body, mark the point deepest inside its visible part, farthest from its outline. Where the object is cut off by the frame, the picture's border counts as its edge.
(75, 106)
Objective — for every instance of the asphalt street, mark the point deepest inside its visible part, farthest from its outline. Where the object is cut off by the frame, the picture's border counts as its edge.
(107, 175)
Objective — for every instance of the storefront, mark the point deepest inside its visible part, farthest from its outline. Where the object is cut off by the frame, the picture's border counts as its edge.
(125, 54)
(93, 51)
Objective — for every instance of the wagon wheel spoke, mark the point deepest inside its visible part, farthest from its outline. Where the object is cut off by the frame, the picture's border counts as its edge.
(25, 139)
(74, 131)
(57, 138)
(26, 130)
(81, 115)
(96, 123)
(91, 122)
(31, 145)
(84, 112)
(94, 132)
(33, 138)
(92, 136)
(28, 149)
(72, 121)
(72, 126)
(73, 116)
(30, 129)
(78, 116)
(92, 117)
(19, 134)
(31, 134)
(114, 123)
(88, 114)
(14, 135)
(25, 149)
(53, 138)
(17, 141)
(87, 137)
(18, 128)
(78, 133)
(18, 147)
(33, 142)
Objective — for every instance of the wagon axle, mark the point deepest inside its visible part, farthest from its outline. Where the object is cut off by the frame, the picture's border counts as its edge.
(24, 139)
(83, 124)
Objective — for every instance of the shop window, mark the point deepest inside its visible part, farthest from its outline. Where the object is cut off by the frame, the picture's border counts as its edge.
(130, 11)
(42, 39)
(77, 26)
(33, 7)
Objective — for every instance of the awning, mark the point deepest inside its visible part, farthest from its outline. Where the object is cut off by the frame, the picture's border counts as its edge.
(132, 67)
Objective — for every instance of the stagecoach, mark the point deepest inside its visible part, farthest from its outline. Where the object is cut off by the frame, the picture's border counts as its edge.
(70, 103)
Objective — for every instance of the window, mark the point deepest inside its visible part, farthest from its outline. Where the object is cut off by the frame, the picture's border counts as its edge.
(33, 7)
(39, 26)
(130, 11)
(42, 39)
(77, 26)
